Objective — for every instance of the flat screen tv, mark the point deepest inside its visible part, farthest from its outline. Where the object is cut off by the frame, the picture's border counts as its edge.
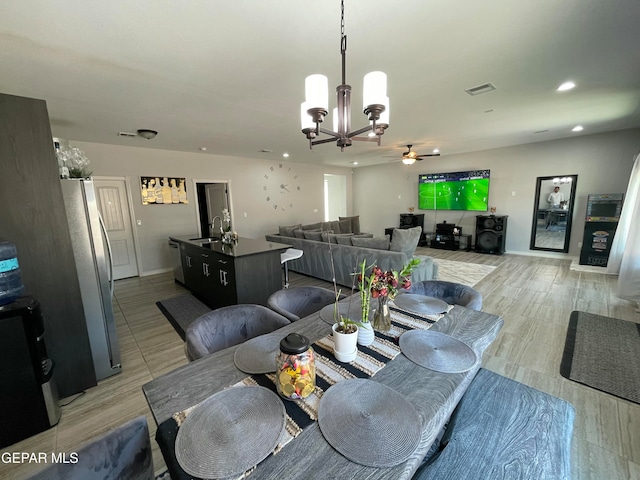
(454, 191)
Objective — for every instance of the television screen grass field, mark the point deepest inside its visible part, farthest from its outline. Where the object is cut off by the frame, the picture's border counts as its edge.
(454, 191)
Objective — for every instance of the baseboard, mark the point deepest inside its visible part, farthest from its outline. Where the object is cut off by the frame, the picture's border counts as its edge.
(155, 272)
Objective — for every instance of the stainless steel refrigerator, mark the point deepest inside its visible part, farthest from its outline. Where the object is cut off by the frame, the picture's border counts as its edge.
(92, 254)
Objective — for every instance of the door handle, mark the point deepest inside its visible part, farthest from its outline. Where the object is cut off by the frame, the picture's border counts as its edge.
(223, 278)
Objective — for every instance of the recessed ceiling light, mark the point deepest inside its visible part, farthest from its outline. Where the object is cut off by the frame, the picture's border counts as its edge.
(436, 150)
(577, 128)
(354, 163)
(566, 86)
(285, 155)
(203, 149)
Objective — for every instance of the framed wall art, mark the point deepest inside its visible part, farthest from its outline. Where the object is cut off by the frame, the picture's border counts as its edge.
(163, 190)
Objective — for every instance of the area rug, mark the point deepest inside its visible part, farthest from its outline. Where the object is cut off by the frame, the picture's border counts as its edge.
(603, 353)
(461, 272)
(182, 310)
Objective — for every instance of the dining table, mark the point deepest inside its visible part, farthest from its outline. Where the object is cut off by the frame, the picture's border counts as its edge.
(433, 394)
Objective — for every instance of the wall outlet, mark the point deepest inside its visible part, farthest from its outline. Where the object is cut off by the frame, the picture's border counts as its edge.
(315, 210)
(139, 222)
(245, 215)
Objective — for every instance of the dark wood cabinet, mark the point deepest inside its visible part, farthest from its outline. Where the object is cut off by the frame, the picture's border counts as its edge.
(33, 218)
(220, 279)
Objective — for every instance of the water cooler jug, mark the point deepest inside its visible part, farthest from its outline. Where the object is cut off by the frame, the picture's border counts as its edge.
(28, 393)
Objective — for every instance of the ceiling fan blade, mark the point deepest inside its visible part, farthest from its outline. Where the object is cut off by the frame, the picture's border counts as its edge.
(419, 157)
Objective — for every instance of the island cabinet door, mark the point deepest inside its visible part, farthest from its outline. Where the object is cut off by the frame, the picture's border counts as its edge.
(224, 280)
(258, 276)
(192, 268)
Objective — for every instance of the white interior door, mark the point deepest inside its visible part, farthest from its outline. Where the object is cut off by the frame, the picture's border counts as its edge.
(113, 204)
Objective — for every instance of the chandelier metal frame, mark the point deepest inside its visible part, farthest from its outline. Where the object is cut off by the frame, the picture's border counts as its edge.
(344, 136)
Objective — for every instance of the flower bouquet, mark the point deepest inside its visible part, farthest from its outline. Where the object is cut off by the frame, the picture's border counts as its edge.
(383, 285)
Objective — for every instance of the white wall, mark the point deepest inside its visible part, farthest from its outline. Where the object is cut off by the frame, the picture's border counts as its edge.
(602, 162)
(247, 178)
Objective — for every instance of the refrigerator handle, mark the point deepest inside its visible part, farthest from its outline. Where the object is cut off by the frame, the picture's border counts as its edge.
(106, 239)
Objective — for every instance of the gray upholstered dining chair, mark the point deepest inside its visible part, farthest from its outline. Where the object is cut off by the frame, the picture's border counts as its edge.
(298, 302)
(451, 292)
(124, 452)
(228, 326)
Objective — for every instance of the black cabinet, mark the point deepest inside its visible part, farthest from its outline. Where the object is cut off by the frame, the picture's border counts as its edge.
(220, 280)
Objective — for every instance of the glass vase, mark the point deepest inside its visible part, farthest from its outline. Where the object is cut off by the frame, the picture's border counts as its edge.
(382, 316)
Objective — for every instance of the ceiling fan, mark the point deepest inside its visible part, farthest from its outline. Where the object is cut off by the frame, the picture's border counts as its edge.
(410, 156)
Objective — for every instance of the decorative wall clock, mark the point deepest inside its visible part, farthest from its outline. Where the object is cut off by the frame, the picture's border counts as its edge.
(281, 187)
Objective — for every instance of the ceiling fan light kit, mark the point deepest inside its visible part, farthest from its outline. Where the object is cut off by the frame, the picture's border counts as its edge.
(410, 156)
(146, 133)
(316, 105)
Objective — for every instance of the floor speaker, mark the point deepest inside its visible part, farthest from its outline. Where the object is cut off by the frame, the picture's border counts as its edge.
(409, 220)
(491, 234)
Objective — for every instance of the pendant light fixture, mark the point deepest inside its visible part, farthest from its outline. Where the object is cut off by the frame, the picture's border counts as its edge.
(316, 105)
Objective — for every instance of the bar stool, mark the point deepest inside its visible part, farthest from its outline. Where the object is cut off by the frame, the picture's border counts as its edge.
(289, 254)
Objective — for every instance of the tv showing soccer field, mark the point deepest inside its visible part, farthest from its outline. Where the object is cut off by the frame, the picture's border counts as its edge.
(454, 191)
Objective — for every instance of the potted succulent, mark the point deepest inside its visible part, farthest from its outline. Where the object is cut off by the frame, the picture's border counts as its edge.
(345, 335)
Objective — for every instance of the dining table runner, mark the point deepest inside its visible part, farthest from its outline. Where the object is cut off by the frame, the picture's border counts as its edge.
(303, 412)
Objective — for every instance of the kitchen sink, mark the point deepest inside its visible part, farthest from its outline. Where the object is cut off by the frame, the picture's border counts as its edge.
(204, 240)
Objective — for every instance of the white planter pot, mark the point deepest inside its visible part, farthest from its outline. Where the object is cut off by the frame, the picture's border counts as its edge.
(366, 335)
(345, 345)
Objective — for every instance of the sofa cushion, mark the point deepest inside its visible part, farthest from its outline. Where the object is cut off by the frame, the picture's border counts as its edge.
(355, 223)
(312, 226)
(333, 237)
(344, 239)
(364, 235)
(405, 240)
(312, 235)
(298, 233)
(345, 226)
(325, 236)
(287, 231)
(379, 243)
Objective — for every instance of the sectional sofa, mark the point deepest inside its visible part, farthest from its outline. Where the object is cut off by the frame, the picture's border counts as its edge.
(344, 243)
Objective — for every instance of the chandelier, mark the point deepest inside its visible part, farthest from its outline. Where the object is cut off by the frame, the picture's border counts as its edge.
(316, 105)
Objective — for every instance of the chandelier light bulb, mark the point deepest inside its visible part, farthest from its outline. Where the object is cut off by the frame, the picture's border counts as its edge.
(374, 90)
(316, 88)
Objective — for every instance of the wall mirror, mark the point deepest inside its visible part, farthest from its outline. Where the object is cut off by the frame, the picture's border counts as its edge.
(553, 212)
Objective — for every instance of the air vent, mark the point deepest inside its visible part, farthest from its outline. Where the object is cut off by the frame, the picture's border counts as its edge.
(484, 88)
(127, 134)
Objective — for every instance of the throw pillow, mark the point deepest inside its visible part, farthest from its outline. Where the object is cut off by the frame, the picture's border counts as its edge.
(344, 239)
(325, 236)
(379, 243)
(405, 240)
(312, 226)
(287, 231)
(298, 233)
(335, 236)
(364, 235)
(311, 235)
(345, 226)
(355, 223)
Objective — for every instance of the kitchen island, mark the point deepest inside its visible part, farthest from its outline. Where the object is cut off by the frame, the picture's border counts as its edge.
(219, 274)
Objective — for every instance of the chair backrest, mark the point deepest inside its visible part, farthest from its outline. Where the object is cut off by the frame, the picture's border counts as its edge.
(295, 303)
(228, 326)
(451, 292)
(124, 452)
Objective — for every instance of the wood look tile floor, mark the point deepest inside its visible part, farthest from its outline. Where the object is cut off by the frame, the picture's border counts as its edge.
(533, 295)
